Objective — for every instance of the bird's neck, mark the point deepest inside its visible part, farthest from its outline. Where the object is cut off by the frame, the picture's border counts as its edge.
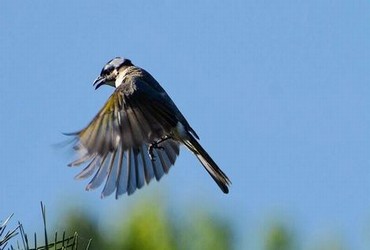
(121, 76)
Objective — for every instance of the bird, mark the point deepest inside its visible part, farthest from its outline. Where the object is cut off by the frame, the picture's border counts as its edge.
(137, 134)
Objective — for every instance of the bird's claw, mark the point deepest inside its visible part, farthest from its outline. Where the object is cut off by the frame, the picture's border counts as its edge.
(153, 146)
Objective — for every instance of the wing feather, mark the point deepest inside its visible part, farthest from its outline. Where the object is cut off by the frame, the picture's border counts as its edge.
(88, 170)
(110, 184)
(148, 167)
(98, 179)
(139, 166)
(123, 178)
(131, 187)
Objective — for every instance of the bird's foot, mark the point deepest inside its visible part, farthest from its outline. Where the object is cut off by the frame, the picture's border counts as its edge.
(155, 145)
(151, 148)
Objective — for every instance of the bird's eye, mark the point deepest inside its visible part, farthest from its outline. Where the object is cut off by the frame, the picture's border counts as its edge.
(106, 71)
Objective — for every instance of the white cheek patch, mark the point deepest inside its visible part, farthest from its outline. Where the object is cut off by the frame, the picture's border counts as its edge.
(120, 78)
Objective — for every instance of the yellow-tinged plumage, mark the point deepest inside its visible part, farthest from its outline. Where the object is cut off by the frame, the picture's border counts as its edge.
(136, 136)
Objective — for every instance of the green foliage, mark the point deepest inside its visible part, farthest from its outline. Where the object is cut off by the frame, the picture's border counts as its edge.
(77, 221)
(279, 238)
(205, 232)
(149, 226)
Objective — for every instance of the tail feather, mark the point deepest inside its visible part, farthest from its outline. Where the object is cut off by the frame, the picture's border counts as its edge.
(208, 163)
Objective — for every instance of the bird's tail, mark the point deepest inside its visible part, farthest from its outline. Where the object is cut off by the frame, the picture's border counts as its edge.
(215, 172)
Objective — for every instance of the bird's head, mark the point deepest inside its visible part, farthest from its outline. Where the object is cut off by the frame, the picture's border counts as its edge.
(110, 72)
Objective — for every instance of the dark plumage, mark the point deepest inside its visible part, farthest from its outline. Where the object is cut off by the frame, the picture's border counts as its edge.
(136, 135)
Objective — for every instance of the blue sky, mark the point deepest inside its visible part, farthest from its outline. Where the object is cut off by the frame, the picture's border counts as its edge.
(277, 90)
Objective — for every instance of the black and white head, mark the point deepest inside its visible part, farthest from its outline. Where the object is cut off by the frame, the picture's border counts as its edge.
(110, 72)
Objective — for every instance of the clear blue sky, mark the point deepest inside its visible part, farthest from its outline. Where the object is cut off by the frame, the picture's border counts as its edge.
(279, 92)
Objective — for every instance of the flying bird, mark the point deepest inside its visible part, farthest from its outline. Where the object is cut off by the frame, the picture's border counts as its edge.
(137, 134)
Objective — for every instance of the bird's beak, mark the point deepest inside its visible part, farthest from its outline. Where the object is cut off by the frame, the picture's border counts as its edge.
(99, 82)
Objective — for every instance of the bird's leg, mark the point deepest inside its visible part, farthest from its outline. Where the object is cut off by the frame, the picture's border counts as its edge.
(155, 145)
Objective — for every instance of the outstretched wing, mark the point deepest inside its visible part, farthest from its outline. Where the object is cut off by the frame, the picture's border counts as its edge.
(115, 143)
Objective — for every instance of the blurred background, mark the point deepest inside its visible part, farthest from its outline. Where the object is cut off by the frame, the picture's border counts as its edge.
(278, 92)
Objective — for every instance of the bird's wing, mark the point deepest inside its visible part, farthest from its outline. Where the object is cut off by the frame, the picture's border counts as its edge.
(115, 143)
(149, 91)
